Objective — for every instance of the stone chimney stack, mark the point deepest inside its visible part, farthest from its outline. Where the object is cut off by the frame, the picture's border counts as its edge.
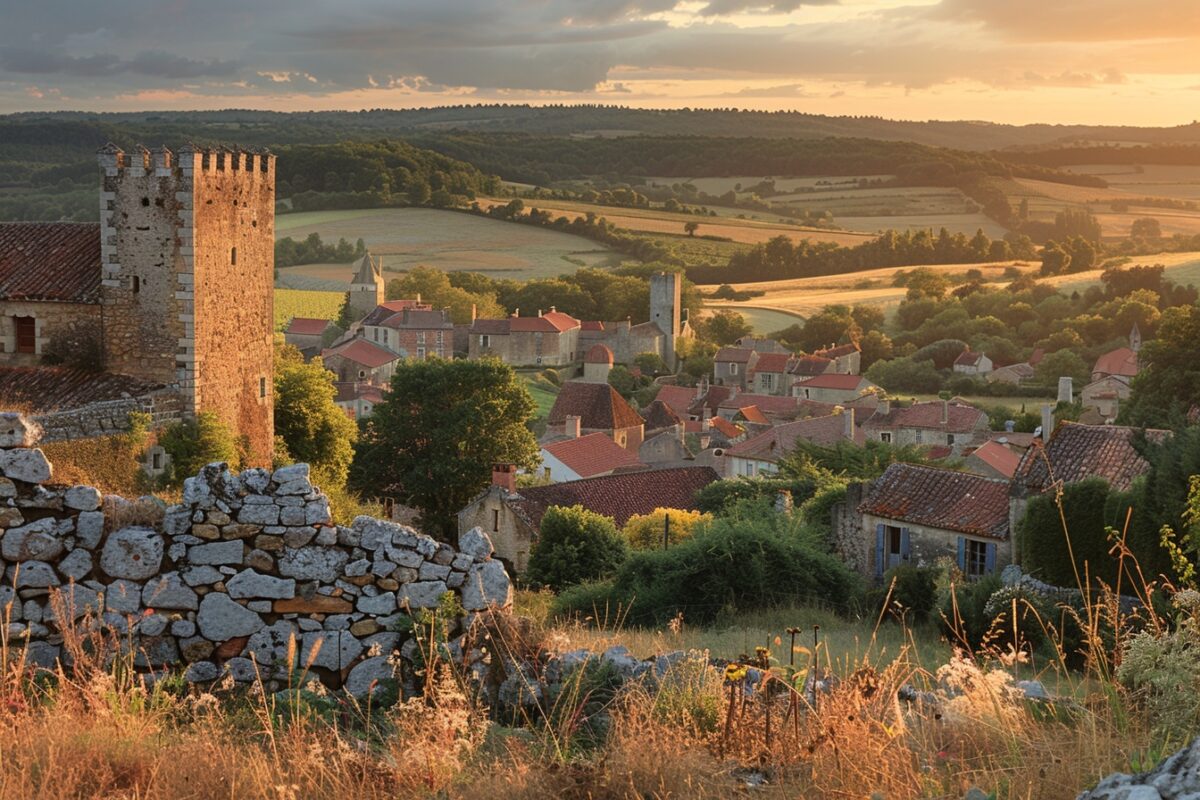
(1066, 389)
(572, 426)
(1047, 422)
(848, 420)
(505, 476)
(885, 407)
(945, 412)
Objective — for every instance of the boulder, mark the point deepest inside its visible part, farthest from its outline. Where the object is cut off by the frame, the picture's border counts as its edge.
(76, 565)
(123, 597)
(220, 618)
(89, 527)
(17, 430)
(132, 553)
(202, 672)
(251, 584)
(216, 553)
(370, 675)
(333, 650)
(39, 540)
(1176, 778)
(82, 498)
(270, 644)
(32, 575)
(30, 466)
(421, 594)
(487, 585)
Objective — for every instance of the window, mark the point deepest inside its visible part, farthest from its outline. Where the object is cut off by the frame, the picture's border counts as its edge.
(362, 373)
(892, 547)
(262, 387)
(420, 352)
(977, 557)
(137, 284)
(420, 337)
(495, 520)
(440, 338)
(918, 436)
(768, 380)
(950, 439)
(375, 334)
(26, 329)
(233, 256)
(885, 437)
(156, 461)
(733, 369)
(485, 341)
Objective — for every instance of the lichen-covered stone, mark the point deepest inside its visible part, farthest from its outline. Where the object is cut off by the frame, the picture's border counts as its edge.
(421, 594)
(220, 618)
(487, 585)
(32, 575)
(132, 553)
(251, 584)
(259, 514)
(39, 540)
(216, 553)
(312, 563)
(17, 430)
(89, 527)
(169, 591)
(82, 498)
(371, 675)
(29, 465)
(202, 672)
(475, 543)
(76, 565)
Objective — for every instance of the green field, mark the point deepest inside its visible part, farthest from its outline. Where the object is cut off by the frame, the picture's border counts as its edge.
(767, 320)
(299, 303)
(448, 240)
(542, 394)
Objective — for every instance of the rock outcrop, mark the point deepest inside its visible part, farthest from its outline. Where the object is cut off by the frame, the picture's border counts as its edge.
(1176, 778)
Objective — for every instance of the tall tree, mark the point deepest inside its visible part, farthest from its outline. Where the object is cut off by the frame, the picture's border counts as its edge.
(1168, 385)
(433, 440)
(308, 422)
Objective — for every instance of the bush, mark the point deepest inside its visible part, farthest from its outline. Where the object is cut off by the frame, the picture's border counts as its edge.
(963, 614)
(911, 593)
(194, 442)
(1089, 507)
(720, 496)
(575, 545)
(1163, 673)
(740, 562)
(645, 531)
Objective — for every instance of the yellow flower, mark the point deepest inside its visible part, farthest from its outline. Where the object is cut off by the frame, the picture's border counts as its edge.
(735, 673)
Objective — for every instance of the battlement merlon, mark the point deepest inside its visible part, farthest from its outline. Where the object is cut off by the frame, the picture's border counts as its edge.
(189, 159)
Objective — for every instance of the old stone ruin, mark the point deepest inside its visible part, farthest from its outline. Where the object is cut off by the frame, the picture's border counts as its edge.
(246, 567)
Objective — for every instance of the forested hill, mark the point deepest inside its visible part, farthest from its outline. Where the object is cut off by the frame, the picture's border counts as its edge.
(259, 127)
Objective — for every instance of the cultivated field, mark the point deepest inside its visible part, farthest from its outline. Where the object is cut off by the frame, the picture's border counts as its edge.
(722, 185)
(1148, 180)
(448, 240)
(291, 303)
(1046, 199)
(966, 224)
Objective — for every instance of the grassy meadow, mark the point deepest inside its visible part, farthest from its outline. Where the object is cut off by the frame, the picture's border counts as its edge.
(448, 240)
(291, 303)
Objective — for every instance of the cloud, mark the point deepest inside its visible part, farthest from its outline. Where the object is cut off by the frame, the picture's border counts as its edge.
(727, 7)
(151, 63)
(790, 90)
(1078, 20)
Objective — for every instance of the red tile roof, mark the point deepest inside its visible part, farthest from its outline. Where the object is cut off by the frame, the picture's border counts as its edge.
(767, 403)
(46, 389)
(739, 355)
(840, 350)
(811, 365)
(774, 443)
(593, 454)
(961, 418)
(752, 414)
(1121, 361)
(833, 380)
(492, 326)
(618, 496)
(679, 398)
(550, 322)
(360, 351)
(772, 362)
(659, 415)
(940, 498)
(307, 326)
(1076, 452)
(50, 261)
(968, 358)
(387, 309)
(591, 325)
(598, 354)
(998, 457)
(729, 429)
(598, 406)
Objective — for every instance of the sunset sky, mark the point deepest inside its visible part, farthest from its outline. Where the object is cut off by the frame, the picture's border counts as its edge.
(1092, 61)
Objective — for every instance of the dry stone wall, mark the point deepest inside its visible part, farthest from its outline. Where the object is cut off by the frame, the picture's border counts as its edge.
(248, 563)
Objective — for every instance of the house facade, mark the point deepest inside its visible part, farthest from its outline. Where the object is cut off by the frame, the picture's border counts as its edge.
(361, 361)
(413, 332)
(833, 388)
(1106, 395)
(846, 358)
(938, 423)
(547, 340)
(732, 366)
(970, 362)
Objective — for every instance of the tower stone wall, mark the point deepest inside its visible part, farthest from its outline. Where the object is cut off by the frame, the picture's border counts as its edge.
(665, 301)
(187, 251)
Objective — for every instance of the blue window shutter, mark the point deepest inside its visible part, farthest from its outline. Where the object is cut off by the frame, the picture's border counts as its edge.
(905, 550)
(962, 554)
(990, 555)
(879, 534)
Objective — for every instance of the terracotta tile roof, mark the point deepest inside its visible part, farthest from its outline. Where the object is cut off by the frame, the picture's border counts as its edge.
(752, 414)
(998, 457)
(678, 398)
(772, 362)
(729, 429)
(50, 261)
(840, 350)
(1037, 356)
(550, 322)
(591, 325)
(492, 326)
(307, 326)
(46, 389)
(618, 496)
(811, 365)
(598, 354)
(391, 307)
(940, 498)
(360, 351)
(712, 400)
(833, 380)
(659, 415)
(961, 418)
(1076, 452)
(774, 443)
(767, 403)
(1021, 370)
(968, 358)
(593, 454)
(1121, 361)
(419, 319)
(739, 355)
(1014, 439)
(596, 404)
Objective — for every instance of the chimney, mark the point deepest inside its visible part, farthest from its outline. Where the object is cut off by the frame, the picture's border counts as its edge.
(539, 312)
(418, 297)
(885, 406)
(1047, 422)
(1066, 389)
(572, 425)
(848, 419)
(474, 312)
(516, 312)
(945, 412)
(505, 476)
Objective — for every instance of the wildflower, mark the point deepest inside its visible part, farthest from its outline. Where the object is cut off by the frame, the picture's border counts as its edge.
(735, 673)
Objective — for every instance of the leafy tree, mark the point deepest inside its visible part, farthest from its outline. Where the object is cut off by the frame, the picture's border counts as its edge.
(435, 288)
(1077, 222)
(307, 419)
(923, 282)
(906, 375)
(194, 442)
(1061, 364)
(575, 545)
(849, 460)
(876, 346)
(832, 324)
(645, 531)
(433, 440)
(650, 363)
(1168, 384)
(1089, 507)
(1146, 228)
(1055, 259)
(724, 327)
(690, 228)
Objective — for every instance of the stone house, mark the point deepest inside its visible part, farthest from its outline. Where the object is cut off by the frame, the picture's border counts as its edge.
(770, 373)
(666, 446)
(585, 456)
(412, 332)
(595, 408)
(361, 361)
(760, 454)
(1105, 396)
(358, 400)
(597, 364)
(846, 358)
(513, 518)
(833, 388)
(174, 287)
(367, 286)
(993, 459)
(1122, 362)
(732, 366)
(309, 335)
(970, 362)
(1015, 374)
(939, 423)
(922, 515)
(547, 340)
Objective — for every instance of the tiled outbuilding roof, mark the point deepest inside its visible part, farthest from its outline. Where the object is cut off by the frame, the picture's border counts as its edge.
(774, 443)
(960, 418)
(811, 365)
(598, 406)
(998, 457)
(550, 322)
(678, 398)
(659, 415)
(772, 362)
(307, 326)
(739, 355)
(832, 380)
(360, 351)
(390, 308)
(419, 319)
(728, 429)
(50, 261)
(618, 496)
(940, 498)
(968, 358)
(840, 350)
(593, 454)
(767, 403)
(46, 389)
(1076, 452)
(1121, 361)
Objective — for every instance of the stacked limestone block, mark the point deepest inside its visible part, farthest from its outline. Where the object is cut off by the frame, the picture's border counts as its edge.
(247, 562)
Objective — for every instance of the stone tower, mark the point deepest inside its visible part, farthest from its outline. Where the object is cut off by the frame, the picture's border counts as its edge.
(187, 293)
(1135, 338)
(366, 290)
(665, 293)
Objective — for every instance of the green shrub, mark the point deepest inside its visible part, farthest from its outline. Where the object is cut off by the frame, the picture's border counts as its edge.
(719, 496)
(970, 622)
(575, 545)
(910, 591)
(195, 442)
(1090, 507)
(1163, 673)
